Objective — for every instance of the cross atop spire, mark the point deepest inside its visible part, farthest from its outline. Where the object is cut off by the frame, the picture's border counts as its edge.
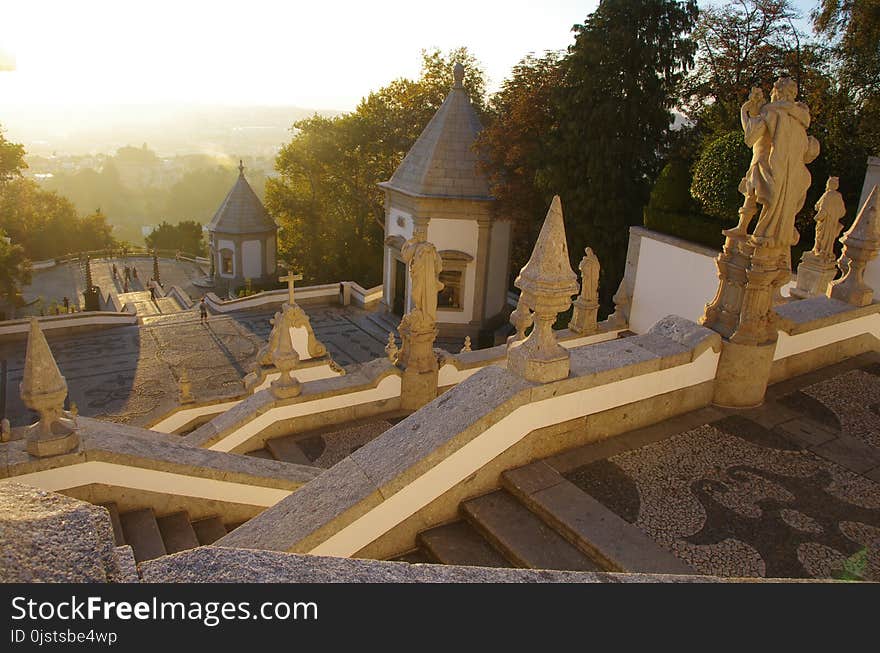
(290, 278)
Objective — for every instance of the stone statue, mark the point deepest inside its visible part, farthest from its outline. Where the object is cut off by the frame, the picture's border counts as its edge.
(586, 306)
(829, 210)
(425, 265)
(777, 178)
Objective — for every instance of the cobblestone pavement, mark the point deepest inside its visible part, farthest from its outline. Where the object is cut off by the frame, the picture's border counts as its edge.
(129, 374)
(791, 489)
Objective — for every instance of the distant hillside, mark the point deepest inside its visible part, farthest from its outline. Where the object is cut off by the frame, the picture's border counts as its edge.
(170, 130)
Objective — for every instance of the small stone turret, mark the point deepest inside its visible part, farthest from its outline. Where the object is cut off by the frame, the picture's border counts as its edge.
(547, 283)
(43, 389)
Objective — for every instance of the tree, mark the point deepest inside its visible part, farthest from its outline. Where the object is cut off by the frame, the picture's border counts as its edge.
(15, 270)
(516, 150)
(11, 159)
(716, 176)
(741, 44)
(185, 236)
(619, 83)
(852, 30)
(199, 192)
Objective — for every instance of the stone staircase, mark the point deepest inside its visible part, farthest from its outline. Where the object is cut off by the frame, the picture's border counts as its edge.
(540, 520)
(151, 537)
(145, 306)
(325, 447)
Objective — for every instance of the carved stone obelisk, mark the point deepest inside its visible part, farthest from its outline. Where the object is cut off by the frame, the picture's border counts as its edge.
(860, 245)
(547, 284)
(44, 390)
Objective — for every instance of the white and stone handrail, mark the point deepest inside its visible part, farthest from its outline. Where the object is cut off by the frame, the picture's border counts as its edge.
(374, 502)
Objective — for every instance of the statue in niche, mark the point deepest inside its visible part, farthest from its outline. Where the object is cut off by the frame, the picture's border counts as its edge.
(424, 265)
(829, 210)
(777, 178)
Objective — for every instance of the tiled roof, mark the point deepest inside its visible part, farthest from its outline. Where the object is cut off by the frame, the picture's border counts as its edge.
(242, 212)
(442, 162)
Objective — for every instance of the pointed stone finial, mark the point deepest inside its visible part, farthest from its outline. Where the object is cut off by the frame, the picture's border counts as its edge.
(458, 75)
(467, 345)
(241, 167)
(44, 390)
(547, 283)
(860, 245)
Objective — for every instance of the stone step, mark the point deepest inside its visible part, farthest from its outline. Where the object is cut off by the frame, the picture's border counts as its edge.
(522, 536)
(169, 305)
(113, 509)
(459, 543)
(261, 453)
(613, 543)
(287, 450)
(142, 532)
(177, 532)
(416, 556)
(379, 325)
(209, 530)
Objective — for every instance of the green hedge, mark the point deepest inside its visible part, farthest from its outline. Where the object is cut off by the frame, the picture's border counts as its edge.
(692, 227)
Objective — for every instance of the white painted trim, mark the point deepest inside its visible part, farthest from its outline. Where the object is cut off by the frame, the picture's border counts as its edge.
(150, 480)
(83, 319)
(388, 388)
(183, 417)
(799, 343)
(501, 436)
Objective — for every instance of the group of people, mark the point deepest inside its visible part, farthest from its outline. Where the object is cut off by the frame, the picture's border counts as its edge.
(129, 273)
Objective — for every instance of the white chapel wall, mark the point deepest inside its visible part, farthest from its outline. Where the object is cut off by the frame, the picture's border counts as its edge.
(670, 280)
(459, 235)
(251, 255)
(499, 249)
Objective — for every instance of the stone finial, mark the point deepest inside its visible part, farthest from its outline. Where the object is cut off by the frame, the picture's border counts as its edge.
(584, 320)
(458, 76)
(391, 349)
(547, 283)
(467, 345)
(5, 430)
(860, 245)
(43, 389)
(241, 167)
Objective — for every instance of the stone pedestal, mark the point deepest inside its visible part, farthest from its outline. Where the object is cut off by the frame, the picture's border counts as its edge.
(584, 320)
(539, 357)
(61, 439)
(417, 353)
(743, 374)
(750, 275)
(813, 275)
(417, 388)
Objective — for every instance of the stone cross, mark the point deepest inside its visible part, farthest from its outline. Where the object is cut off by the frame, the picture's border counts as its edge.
(290, 279)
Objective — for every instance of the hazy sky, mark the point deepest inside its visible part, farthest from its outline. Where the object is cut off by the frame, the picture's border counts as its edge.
(317, 54)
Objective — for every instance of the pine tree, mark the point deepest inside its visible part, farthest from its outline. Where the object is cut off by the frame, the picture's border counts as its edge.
(614, 106)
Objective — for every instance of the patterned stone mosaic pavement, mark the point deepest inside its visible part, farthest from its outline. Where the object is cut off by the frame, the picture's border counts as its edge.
(129, 374)
(791, 489)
